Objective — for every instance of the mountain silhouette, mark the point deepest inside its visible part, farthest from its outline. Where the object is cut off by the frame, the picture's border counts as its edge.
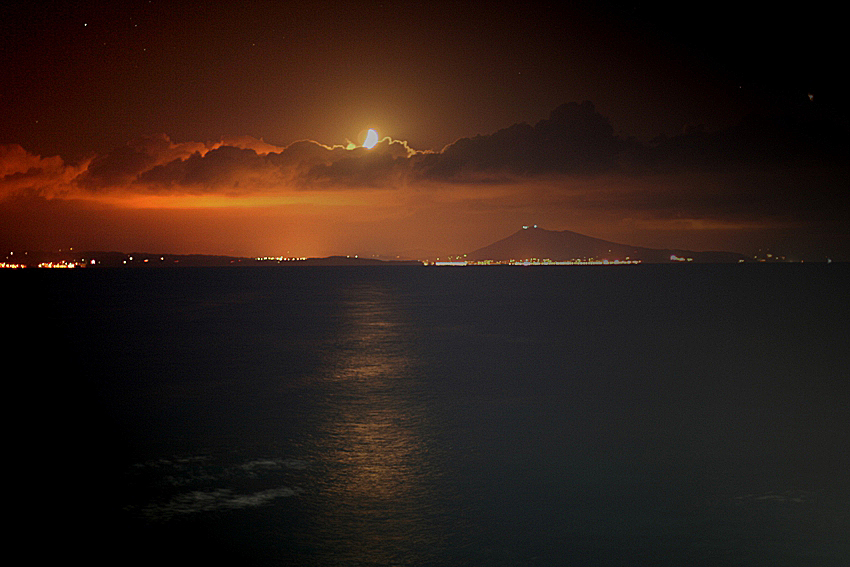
(561, 246)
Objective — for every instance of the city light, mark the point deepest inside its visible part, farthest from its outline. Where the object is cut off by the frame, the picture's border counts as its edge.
(534, 262)
(280, 259)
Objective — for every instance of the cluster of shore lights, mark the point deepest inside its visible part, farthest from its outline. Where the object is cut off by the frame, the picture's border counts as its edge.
(533, 262)
(280, 259)
(63, 264)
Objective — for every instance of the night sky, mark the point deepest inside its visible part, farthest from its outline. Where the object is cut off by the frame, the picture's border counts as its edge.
(228, 128)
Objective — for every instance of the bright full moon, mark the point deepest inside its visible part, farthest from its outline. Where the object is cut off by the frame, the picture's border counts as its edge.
(371, 139)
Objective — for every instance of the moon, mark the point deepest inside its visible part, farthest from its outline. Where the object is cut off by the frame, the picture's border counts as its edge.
(371, 139)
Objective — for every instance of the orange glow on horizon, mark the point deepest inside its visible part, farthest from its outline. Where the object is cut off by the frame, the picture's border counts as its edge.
(212, 201)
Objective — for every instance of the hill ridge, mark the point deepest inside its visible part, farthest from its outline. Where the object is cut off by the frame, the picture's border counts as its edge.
(532, 242)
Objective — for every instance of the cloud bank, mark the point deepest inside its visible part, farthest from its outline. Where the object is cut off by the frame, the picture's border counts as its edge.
(771, 171)
(574, 141)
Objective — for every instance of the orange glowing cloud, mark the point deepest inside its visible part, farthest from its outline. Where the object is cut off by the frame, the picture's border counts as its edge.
(23, 172)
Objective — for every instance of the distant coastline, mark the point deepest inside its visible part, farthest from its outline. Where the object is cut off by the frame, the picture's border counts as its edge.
(95, 259)
(529, 246)
(29, 260)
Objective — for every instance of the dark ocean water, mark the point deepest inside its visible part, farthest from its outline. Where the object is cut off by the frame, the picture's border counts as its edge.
(615, 416)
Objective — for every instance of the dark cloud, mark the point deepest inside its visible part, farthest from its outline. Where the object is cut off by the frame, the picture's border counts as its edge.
(225, 168)
(122, 165)
(575, 139)
(235, 165)
(24, 172)
(304, 154)
(118, 167)
(230, 169)
(803, 136)
(385, 165)
(787, 197)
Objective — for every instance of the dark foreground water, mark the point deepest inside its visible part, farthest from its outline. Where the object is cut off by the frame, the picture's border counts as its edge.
(616, 416)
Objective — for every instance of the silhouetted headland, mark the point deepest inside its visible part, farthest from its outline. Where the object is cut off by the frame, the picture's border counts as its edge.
(532, 243)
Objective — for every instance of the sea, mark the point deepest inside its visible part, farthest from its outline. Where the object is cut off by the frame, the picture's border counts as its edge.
(664, 415)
